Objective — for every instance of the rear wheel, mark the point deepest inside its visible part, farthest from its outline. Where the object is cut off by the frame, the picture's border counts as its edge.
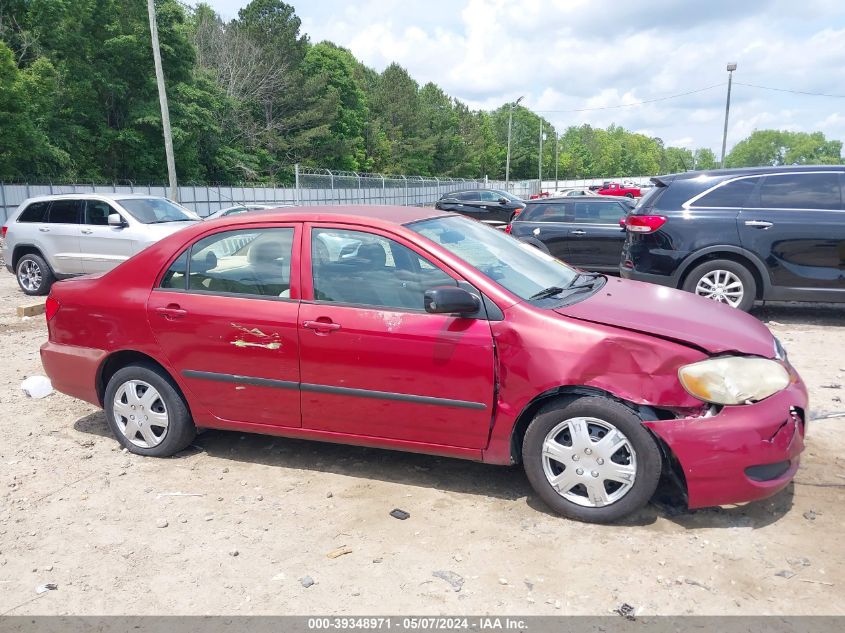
(34, 275)
(629, 195)
(146, 412)
(725, 281)
(591, 459)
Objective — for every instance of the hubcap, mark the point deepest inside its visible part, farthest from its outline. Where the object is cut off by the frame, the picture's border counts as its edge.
(140, 413)
(722, 286)
(589, 462)
(29, 275)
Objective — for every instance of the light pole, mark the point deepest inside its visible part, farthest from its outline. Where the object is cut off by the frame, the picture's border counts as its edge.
(540, 157)
(508, 159)
(557, 138)
(162, 99)
(731, 69)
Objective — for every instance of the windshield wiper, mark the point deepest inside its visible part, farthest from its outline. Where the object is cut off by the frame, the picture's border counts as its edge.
(546, 292)
(590, 276)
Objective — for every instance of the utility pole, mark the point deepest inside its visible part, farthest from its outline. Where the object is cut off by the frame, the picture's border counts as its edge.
(162, 99)
(540, 157)
(508, 159)
(731, 69)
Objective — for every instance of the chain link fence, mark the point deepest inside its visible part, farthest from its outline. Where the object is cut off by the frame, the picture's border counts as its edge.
(312, 186)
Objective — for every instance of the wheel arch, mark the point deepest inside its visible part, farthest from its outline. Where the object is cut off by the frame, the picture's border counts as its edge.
(26, 249)
(733, 253)
(123, 358)
(672, 475)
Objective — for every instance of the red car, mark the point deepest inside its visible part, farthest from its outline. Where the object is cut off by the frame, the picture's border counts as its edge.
(615, 189)
(419, 330)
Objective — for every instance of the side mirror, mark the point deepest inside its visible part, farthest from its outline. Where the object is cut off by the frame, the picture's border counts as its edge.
(503, 200)
(623, 222)
(450, 300)
(116, 220)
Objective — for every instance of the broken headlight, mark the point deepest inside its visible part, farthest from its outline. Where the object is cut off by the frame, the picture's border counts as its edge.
(734, 379)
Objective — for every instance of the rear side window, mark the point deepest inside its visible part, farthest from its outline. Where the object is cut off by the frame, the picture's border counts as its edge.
(733, 194)
(561, 212)
(598, 212)
(36, 212)
(801, 191)
(65, 212)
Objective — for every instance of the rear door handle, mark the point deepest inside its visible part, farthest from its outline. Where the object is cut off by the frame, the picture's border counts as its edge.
(759, 224)
(578, 232)
(172, 312)
(44, 229)
(321, 326)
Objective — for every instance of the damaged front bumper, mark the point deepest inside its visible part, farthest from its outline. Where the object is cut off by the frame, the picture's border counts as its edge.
(742, 453)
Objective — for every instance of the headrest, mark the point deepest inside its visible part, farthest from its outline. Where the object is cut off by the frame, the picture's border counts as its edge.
(374, 255)
(265, 253)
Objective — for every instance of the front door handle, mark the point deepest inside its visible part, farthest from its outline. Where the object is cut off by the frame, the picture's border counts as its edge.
(578, 232)
(172, 311)
(44, 229)
(321, 326)
(759, 224)
(87, 231)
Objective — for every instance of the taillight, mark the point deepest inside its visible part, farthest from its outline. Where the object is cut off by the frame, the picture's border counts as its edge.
(644, 223)
(3, 232)
(51, 307)
(508, 229)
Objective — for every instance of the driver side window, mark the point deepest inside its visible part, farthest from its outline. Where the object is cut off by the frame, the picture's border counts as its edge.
(365, 269)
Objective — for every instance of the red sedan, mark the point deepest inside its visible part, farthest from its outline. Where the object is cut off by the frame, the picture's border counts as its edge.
(419, 330)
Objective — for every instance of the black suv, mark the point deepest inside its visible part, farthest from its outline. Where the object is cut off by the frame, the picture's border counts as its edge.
(586, 232)
(736, 235)
(491, 206)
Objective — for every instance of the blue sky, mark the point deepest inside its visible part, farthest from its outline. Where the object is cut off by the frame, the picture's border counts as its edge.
(565, 55)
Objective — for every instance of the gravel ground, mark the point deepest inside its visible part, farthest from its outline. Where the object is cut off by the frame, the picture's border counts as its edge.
(264, 513)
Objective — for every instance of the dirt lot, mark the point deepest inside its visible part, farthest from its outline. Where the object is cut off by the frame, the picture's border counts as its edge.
(76, 511)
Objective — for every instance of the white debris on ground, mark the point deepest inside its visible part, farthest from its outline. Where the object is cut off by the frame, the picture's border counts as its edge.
(37, 387)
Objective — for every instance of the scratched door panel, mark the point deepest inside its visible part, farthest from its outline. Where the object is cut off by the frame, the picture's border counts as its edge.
(238, 356)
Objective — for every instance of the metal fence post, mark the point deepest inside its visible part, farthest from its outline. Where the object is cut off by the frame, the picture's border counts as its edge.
(406, 189)
(360, 193)
(296, 184)
(3, 200)
(383, 193)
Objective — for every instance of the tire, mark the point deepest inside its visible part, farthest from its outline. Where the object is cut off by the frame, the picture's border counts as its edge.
(149, 438)
(704, 277)
(34, 275)
(629, 195)
(636, 464)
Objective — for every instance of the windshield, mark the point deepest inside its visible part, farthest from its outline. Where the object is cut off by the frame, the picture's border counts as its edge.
(507, 195)
(516, 266)
(157, 210)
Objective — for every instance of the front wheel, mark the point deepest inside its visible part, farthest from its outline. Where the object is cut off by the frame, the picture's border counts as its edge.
(725, 281)
(591, 459)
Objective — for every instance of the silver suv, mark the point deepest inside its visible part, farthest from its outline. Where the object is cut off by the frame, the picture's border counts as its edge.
(55, 237)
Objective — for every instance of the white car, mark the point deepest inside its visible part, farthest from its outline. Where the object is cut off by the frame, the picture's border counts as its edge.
(243, 208)
(55, 237)
(572, 192)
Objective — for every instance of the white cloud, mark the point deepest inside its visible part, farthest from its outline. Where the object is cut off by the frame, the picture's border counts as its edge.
(575, 54)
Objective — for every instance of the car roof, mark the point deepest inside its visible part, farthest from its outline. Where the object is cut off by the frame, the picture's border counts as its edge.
(452, 193)
(92, 196)
(575, 199)
(371, 215)
(744, 171)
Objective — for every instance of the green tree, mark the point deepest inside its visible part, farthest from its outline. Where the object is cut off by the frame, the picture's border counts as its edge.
(781, 147)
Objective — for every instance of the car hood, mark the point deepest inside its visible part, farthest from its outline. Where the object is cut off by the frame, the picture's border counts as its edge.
(673, 314)
(159, 231)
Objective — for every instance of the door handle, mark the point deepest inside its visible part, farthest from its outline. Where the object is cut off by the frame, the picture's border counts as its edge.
(172, 311)
(44, 229)
(87, 231)
(578, 232)
(321, 326)
(759, 224)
